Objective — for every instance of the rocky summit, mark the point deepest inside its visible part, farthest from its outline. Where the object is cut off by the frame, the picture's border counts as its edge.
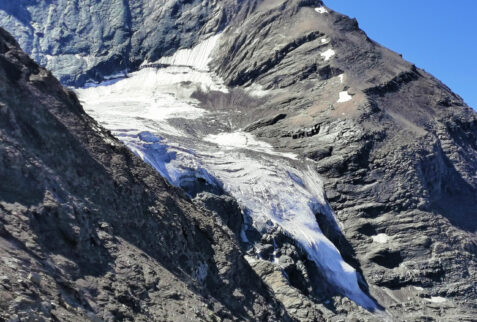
(253, 160)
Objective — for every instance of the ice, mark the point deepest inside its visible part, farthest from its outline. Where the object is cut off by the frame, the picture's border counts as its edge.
(321, 10)
(344, 97)
(277, 190)
(380, 238)
(328, 54)
(261, 184)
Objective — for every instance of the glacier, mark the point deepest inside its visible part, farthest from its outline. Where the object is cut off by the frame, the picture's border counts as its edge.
(154, 113)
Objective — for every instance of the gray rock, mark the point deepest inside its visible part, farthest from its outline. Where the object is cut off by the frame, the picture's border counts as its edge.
(93, 40)
(399, 159)
(109, 233)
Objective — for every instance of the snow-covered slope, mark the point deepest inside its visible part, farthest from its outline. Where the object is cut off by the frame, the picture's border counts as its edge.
(152, 111)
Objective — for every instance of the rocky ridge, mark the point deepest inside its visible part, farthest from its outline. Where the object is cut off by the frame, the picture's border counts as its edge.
(89, 231)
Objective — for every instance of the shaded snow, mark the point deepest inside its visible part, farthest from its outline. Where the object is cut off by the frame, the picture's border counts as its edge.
(344, 97)
(328, 54)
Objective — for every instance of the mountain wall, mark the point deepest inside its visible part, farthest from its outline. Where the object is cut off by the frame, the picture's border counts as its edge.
(89, 231)
(396, 149)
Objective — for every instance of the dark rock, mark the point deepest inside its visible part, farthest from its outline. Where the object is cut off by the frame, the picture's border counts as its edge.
(100, 225)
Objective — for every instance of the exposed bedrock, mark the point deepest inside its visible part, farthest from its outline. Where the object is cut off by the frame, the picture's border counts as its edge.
(399, 157)
(89, 231)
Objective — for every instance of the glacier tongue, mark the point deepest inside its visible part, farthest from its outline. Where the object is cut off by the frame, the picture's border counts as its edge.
(153, 113)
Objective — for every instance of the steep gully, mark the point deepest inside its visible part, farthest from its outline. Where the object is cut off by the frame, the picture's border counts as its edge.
(154, 112)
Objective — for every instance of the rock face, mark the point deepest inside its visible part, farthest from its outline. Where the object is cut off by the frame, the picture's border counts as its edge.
(93, 39)
(89, 231)
(397, 151)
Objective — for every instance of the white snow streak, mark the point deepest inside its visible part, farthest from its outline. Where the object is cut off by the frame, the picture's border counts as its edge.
(380, 238)
(436, 299)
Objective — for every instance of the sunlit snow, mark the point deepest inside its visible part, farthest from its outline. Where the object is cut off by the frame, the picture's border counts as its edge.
(197, 57)
(244, 140)
(436, 299)
(344, 97)
(328, 54)
(380, 238)
(321, 10)
(152, 111)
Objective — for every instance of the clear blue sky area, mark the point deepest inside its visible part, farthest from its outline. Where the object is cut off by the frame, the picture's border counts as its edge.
(436, 35)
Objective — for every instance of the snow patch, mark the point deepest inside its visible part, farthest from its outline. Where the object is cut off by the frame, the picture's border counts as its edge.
(380, 238)
(344, 97)
(328, 54)
(197, 57)
(321, 10)
(257, 90)
(436, 299)
(341, 78)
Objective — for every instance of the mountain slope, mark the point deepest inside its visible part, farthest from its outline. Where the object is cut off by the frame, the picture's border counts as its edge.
(395, 148)
(88, 230)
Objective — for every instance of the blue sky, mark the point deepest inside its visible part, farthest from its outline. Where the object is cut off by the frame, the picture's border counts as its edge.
(436, 35)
